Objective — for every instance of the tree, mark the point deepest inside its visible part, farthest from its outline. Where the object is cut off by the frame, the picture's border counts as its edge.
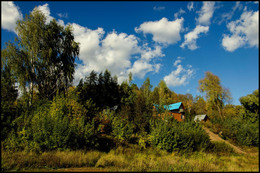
(101, 88)
(250, 104)
(164, 93)
(199, 106)
(216, 95)
(9, 94)
(146, 89)
(43, 55)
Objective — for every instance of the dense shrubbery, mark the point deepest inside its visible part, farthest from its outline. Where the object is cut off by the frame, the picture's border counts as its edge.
(59, 124)
(172, 135)
(242, 131)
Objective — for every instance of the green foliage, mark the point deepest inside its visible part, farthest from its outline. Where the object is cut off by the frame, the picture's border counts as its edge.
(59, 124)
(250, 104)
(240, 130)
(171, 135)
(43, 55)
(102, 90)
(121, 128)
(221, 147)
(216, 95)
(9, 94)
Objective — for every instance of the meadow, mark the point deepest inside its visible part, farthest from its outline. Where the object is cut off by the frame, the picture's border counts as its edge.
(133, 158)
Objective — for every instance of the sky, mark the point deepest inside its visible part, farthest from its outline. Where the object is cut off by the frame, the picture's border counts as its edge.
(174, 41)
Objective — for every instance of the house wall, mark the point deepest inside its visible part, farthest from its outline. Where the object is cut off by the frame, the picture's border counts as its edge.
(177, 116)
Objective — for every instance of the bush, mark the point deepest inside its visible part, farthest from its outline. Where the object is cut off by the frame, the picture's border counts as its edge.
(59, 124)
(171, 135)
(242, 131)
(121, 128)
(221, 147)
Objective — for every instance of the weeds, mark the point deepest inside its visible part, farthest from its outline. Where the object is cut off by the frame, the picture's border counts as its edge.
(134, 159)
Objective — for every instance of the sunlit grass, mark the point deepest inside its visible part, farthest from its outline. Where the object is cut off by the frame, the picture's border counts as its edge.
(131, 159)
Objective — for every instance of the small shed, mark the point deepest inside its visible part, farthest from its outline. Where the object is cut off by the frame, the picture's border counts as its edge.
(199, 118)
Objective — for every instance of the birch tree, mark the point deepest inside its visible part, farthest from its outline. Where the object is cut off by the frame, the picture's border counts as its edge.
(216, 95)
(42, 56)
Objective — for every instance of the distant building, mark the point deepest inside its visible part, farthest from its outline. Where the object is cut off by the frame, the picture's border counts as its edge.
(176, 110)
(199, 118)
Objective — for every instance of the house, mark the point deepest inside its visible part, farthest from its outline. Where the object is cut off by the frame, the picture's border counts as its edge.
(199, 118)
(176, 110)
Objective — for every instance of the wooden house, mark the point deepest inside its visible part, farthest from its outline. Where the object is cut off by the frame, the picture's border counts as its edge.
(176, 110)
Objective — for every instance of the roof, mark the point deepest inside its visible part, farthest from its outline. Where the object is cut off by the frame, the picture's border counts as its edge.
(200, 117)
(171, 106)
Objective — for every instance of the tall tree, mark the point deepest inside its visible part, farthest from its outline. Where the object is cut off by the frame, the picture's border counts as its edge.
(102, 89)
(251, 105)
(146, 89)
(9, 94)
(216, 95)
(164, 93)
(43, 55)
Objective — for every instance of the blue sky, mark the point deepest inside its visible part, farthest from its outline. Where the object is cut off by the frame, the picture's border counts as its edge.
(173, 41)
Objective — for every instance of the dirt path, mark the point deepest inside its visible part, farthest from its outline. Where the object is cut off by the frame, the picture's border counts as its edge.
(215, 137)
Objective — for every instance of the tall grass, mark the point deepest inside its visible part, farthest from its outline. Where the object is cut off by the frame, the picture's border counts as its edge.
(134, 159)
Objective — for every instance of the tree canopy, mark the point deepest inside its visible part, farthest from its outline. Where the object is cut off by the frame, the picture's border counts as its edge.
(216, 95)
(42, 56)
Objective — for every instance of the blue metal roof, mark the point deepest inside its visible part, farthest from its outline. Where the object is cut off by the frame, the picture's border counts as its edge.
(173, 106)
(170, 107)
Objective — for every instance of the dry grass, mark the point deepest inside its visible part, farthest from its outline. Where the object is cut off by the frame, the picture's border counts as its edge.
(131, 159)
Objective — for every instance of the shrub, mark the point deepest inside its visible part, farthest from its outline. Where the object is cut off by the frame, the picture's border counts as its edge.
(221, 147)
(121, 128)
(59, 124)
(171, 135)
(242, 131)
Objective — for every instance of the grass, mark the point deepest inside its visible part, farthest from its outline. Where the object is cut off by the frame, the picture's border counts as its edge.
(132, 159)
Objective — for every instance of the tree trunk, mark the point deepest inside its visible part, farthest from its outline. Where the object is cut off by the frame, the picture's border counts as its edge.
(220, 112)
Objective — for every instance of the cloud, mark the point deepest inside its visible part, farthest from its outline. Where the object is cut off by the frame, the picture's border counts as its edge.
(112, 53)
(163, 31)
(141, 68)
(159, 8)
(244, 31)
(63, 15)
(191, 37)
(190, 6)
(46, 11)
(9, 15)
(180, 76)
(115, 52)
(227, 16)
(144, 65)
(206, 13)
(179, 13)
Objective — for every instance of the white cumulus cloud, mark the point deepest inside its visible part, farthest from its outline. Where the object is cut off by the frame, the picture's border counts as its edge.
(144, 64)
(206, 13)
(46, 11)
(191, 37)
(163, 31)
(244, 31)
(114, 52)
(9, 15)
(180, 76)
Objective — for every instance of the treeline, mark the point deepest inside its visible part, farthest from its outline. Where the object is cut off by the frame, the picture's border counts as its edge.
(99, 112)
